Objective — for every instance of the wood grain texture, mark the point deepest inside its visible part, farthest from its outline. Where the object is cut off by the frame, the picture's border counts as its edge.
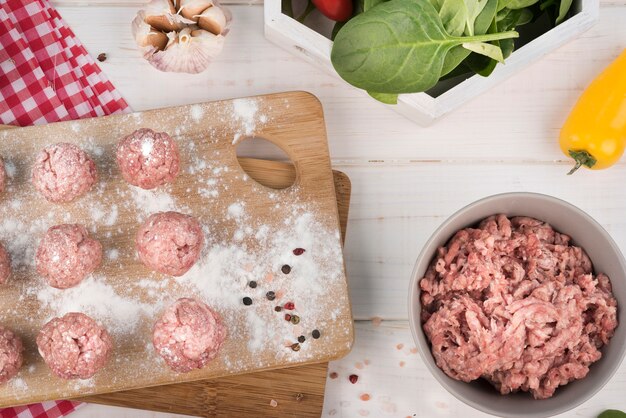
(299, 391)
(205, 134)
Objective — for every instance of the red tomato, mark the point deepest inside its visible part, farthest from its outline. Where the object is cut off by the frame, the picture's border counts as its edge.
(338, 10)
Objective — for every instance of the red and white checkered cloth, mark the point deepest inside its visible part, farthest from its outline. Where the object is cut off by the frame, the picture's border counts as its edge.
(46, 75)
(52, 409)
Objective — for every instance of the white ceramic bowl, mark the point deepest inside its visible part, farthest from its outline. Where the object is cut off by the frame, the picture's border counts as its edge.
(606, 258)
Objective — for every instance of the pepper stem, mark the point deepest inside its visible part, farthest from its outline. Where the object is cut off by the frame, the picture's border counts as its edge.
(581, 158)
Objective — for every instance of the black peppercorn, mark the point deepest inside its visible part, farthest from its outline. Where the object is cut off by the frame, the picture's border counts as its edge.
(286, 269)
(270, 295)
(316, 334)
(252, 284)
(301, 339)
(247, 301)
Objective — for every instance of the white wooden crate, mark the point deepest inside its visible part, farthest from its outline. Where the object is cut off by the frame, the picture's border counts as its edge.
(421, 107)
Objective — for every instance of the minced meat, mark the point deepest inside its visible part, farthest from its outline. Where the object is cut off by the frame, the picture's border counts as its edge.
(513, 302)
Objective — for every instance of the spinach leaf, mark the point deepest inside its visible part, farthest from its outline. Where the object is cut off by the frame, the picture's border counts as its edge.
(483, 48)
(515, 4)
(391, 99)
(368, 4)
(397, 47)
(612, 413)
(564, 7)
(453, 14)
(474, 8)
(485, 18)
(511, 18)
(481, 26)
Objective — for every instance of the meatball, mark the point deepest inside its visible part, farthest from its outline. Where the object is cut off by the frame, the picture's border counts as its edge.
(11, 349)
(170, 242)
(188, 335)
(3, 176)
(63, 172)
(5, 265)
(148, 159)
(74, 346)
(66, 255)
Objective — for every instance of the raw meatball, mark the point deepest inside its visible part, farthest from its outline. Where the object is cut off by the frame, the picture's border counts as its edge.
(148, 159)
(66, 255)
(74, 346)
(170, 242)
(188, 335)
(63, 172)
(11, 349)
(3, 176)
(5, 265)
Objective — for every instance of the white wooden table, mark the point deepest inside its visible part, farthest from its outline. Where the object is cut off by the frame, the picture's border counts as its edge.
(406, 179)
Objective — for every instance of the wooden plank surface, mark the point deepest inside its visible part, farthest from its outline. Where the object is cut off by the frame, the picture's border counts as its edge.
(510, 131)
(235, 211)
(299, 391)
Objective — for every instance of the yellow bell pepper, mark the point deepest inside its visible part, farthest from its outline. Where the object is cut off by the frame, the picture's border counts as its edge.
(594, 134)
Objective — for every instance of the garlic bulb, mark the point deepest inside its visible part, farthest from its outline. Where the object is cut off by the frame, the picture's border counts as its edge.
(186, 41)
(191, 8)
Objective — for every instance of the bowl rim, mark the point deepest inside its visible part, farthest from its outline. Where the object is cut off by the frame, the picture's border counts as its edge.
(416, 326)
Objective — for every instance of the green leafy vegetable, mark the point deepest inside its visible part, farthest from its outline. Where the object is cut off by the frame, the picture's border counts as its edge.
(483, 48)
(612, 413)
(481, 26)
(397, 47)
(385, 97)
(474, 8)
(515, 4)
(564, 7)
(453, 14)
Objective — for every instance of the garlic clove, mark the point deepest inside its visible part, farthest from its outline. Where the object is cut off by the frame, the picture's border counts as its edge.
(191, 8)
(192, 52)
(161, 15)
(149, 39)
(212, 19)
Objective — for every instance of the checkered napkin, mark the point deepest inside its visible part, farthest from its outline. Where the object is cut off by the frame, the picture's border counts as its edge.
(52, 409)
(46, 75)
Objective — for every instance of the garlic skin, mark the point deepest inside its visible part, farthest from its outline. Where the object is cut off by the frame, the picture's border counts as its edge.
(185, 41)
(191, 52)
(191, 8)
(213, 20)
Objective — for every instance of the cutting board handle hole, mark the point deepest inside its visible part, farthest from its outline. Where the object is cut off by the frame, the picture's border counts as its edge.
(253, 151)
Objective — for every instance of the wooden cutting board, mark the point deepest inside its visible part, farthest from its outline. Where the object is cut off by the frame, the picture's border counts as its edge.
(299, 391)
(232, 207)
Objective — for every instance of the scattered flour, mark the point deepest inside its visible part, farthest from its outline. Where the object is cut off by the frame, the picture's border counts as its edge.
(235, 210)
(196, 112)
(9, 167)
(94, 297)
(146, 147)
(151, 201)
(113, 254)
(245, 112)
